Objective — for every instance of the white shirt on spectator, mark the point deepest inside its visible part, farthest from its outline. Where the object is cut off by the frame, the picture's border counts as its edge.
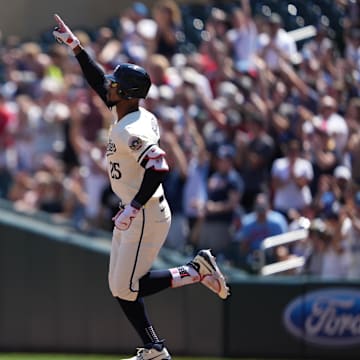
(283, 41)
(243, 41)
(335, 265)
(290, 195)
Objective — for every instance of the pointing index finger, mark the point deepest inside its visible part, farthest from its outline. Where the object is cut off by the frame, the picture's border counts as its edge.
(59, 21)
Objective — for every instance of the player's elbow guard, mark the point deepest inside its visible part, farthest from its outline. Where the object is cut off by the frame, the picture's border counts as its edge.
(156, 160)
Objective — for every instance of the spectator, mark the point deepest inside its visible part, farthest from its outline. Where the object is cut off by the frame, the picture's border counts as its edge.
(353, 145)
(169, 35)
(225, 188)
(91, 157)
(320, 47)
(216, 24)
(324, 197)
(291, 176)
(174, 182)
(257, 225)
(318, 241)
(352, 49)
(333, 123)
(352, 235)
(134, 42)
(326, 256)
(29, 120)
(322, 155)
(337, 259)
(195, 188)
(7, 161)
(276, 45)
(242, 37)
(75, 200)
(45, 194)
(255, 162)
(342, 184)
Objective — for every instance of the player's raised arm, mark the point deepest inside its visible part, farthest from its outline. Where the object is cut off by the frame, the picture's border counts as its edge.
(94, 75)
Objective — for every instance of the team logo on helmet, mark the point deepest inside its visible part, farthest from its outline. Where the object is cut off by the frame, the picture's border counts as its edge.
(135, 143)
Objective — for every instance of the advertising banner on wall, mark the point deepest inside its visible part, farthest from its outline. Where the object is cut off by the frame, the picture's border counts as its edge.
(328, 318)
(293, 318)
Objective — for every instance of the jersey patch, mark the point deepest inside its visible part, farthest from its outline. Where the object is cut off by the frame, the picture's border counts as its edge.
(135, 143)
(110, 148)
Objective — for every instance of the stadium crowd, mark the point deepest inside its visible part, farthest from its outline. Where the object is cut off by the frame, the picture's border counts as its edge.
(261, 129)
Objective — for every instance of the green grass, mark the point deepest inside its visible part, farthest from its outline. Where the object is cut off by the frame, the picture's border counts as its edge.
(15, 356)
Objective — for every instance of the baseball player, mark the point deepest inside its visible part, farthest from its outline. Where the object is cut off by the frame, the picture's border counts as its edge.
(136, 168)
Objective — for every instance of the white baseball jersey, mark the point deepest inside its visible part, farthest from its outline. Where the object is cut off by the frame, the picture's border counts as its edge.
(131, 140)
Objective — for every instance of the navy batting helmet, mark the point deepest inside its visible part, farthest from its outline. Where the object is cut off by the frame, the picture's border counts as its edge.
(133, 81)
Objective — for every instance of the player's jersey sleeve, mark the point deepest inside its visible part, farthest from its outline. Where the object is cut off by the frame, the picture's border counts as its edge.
(142, 141)
(94, 75)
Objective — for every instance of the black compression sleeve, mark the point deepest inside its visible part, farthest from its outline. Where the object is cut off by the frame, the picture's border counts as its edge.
(94, 75)
(151, 181)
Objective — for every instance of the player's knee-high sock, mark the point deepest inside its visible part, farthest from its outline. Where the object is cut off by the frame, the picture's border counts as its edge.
(157, 280)
(136, 314)
(154, 281)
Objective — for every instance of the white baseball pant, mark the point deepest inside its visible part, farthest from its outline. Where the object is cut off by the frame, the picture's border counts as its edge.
(134, 251)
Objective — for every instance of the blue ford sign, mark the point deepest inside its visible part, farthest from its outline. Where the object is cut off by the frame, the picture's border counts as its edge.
(329, 317)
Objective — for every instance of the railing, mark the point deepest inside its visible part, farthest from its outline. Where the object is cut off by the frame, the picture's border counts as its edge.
(277, 240)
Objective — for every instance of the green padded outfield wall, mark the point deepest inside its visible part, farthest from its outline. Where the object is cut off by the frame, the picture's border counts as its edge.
(54, 296)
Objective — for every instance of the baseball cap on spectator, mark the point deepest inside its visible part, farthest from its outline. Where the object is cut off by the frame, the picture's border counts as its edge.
(218, 15)
(342, 172)
(140, 8)
(275, 19)
(225, 152)
(328, 102)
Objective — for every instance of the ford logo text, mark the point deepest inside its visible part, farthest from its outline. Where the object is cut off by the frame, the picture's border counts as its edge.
(329, 317)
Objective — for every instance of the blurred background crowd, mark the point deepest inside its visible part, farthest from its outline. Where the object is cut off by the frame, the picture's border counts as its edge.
(259, 107)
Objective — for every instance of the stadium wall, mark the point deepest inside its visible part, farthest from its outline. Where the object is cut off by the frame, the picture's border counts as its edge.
(28, 19)
(54, 297)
